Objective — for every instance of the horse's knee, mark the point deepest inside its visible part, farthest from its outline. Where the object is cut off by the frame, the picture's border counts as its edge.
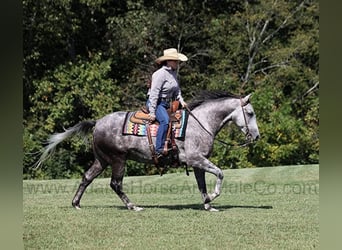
(220, 175)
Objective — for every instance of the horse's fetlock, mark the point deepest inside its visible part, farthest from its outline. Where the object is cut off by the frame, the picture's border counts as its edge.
(130, 206)
(76, 204)
(207, 200)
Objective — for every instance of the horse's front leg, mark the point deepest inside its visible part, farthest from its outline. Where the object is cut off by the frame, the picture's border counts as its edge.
(199, 169)
(202, 186)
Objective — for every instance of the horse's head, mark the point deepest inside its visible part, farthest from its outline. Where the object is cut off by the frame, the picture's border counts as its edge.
(244, 117)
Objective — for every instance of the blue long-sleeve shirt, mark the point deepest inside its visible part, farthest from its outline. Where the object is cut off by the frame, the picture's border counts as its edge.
(164, 85)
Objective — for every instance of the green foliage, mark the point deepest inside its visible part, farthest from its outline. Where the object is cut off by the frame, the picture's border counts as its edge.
(83, 59)
(73, 92)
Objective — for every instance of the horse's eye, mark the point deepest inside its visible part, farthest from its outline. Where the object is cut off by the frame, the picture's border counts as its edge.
(250, 112)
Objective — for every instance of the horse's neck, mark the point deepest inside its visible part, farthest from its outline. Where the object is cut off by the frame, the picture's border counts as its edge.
(213, 114)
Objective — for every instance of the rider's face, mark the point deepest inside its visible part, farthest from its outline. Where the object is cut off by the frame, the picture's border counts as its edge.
(173, 64)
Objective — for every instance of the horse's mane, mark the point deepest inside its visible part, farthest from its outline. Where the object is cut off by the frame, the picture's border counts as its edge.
(207, 95)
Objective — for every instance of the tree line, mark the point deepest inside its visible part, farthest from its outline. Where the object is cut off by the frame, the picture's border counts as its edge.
(86, 58)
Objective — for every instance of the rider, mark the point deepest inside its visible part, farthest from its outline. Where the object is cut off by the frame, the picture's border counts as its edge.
(164, 89)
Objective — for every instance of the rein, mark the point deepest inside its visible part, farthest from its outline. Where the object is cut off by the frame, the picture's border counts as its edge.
(221, 141)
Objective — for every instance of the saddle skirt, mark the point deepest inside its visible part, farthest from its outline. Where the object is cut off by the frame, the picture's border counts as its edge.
(135, 124)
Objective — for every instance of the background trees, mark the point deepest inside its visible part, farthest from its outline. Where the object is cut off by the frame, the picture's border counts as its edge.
(84, 59)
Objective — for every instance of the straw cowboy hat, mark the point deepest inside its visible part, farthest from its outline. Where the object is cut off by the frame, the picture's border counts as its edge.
(172, 54)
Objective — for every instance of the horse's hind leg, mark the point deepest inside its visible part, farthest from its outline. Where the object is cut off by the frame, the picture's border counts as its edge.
(88, 177)
(118, 171)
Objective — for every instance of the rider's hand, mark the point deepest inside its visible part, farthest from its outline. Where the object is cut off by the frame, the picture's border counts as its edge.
(184, 104)
(152, 118)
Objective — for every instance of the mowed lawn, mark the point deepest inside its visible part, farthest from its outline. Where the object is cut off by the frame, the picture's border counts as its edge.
(263, 208)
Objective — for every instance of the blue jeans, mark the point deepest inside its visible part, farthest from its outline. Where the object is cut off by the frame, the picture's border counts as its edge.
(163, 118)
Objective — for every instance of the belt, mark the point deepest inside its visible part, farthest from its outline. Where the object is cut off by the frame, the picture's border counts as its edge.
(166, 99)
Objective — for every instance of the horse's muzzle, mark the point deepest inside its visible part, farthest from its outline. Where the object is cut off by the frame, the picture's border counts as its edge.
(250, 139)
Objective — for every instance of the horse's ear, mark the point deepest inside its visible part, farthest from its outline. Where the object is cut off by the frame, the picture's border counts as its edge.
(246, 98)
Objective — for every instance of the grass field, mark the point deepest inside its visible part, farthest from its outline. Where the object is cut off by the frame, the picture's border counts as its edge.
(264, 208)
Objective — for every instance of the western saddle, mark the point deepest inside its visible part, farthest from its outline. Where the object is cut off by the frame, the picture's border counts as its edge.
(170, 151)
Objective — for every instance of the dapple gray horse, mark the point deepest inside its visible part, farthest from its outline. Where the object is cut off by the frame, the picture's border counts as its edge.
(210, 111)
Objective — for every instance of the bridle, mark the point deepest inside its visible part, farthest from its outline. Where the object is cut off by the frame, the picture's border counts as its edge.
(248, 134)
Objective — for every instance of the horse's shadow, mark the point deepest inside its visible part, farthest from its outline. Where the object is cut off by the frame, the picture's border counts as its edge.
(199, 207)
(176, 207)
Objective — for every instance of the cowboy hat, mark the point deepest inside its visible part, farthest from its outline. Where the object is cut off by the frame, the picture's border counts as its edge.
(172, 54)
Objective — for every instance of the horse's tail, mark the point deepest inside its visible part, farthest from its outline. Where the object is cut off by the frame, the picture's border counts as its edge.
(82, 129)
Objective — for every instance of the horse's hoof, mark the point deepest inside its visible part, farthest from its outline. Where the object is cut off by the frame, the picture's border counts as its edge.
(76, 206)
(133, 207)
(213, 210)
(137, 209)
(209, 208)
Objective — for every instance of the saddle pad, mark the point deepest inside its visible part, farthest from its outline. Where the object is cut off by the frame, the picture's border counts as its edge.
(131, 128)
